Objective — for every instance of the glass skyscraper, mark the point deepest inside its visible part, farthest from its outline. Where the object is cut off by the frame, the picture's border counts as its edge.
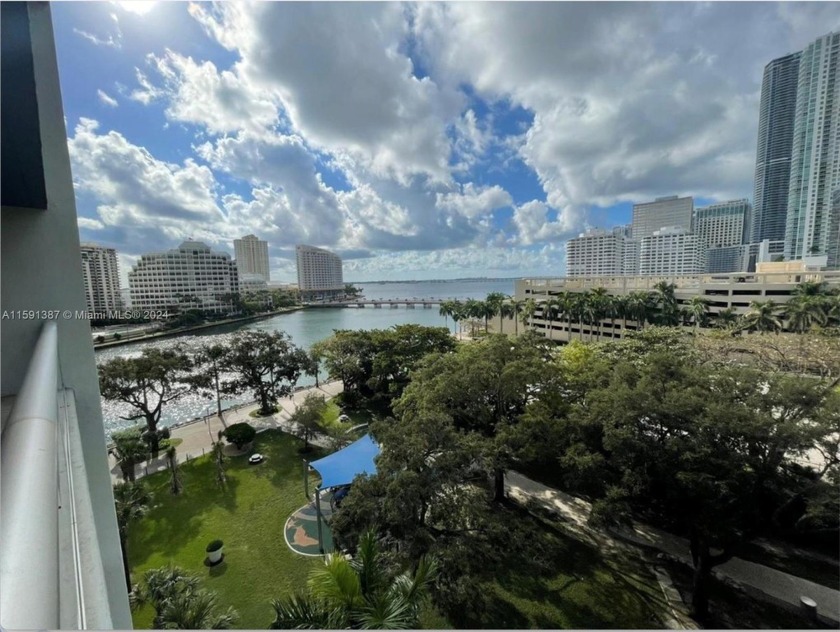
(815, 163)
(777, 114)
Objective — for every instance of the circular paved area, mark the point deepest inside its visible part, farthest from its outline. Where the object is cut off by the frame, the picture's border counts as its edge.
(301, 530)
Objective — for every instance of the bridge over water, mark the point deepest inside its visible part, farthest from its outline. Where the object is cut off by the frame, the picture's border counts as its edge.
(410, 303)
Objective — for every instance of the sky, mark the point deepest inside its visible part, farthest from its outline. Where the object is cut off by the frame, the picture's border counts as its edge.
(416, 140)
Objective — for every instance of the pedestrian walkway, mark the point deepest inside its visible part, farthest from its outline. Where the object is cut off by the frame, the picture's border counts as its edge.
(780, 587)
(198, 437)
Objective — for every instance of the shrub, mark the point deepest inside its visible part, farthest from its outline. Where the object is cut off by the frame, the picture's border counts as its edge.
(240, 434)
(99, 339)
(117, 336)
(215, 545)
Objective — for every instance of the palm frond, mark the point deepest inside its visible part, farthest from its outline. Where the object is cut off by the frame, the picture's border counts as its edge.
(301, 612)
(336, 582)
(387, 612)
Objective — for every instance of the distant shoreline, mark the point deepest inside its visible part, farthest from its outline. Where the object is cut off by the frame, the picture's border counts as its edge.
(185, 330)
(468, 280)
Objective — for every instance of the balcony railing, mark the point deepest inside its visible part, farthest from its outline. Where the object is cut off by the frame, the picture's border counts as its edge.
(51, 571)
(29, 558)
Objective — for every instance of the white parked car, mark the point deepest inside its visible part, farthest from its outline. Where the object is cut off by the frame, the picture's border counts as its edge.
(256, 458)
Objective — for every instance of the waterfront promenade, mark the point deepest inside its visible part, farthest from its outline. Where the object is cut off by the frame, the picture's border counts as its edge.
(198, 435)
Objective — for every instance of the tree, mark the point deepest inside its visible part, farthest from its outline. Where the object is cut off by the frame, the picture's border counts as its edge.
(802, 313)
(175, 484)
(397, 351)
(210, 361)
(131, 502)
(218, 453)
(178, 601)
(529, 308)
(312, 367)
(668, 313)
(379, 361)
(129, 450)
(506, 310)
(483, 388)
(493, 306)
(196, 610)
(147, 383)
(446, 309)
(267, 364)
(359, 593)
(762, 317)
(347, 356)
(726, 318)
(240, 434)
(696, 309)
(706, 451)
(308, 418)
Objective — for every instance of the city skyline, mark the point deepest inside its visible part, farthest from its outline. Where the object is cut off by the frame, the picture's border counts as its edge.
(450, 162)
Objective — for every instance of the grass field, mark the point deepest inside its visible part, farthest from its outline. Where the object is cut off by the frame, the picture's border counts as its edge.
(579, 588)
(248, 516)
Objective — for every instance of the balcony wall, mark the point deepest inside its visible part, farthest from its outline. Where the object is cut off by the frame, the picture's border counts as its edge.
(42, 271)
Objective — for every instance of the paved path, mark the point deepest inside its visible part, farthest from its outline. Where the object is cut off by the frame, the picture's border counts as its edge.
(779, 586)
(198, 437)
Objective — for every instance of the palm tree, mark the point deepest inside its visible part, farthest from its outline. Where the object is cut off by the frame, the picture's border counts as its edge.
(599, 300)
(196, 610)
(696, 309)
(172, 464)
(506, 310)
(161, 585)
(762, 317)
(487, 310)
(804, 311)
(529, 308)
(517, 310)
(667, 303)
(550, 311)
(446, 309)
(494, 302)
(641, 307)
(620, 307)
(129, 450)
(131, 501)
(178, 601)
(357, 594)
(726, 318)
(810, 288)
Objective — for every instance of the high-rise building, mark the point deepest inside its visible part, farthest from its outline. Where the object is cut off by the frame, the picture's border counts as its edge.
(102, 278)
(598, 252)
(189, 277)
(319, 272)
(671, 251)
(815, 163)
(663, 211)
(776, 117)
(723, 224)
(60, 555)
(252, 256)
(833, 250)
(727, 259)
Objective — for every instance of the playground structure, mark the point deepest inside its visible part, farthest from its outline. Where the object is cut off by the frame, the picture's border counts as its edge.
(337, 471)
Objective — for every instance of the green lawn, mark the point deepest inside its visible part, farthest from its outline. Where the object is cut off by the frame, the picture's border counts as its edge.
(249, 517)
(577, 586)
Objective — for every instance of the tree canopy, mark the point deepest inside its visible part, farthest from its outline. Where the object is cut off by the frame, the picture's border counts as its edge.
(147, 383)
(267, 364)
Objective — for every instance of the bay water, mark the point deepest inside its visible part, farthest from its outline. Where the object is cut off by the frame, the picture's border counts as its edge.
(304, 327)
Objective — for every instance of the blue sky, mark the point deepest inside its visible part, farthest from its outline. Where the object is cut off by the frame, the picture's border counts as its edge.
(426, 140)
